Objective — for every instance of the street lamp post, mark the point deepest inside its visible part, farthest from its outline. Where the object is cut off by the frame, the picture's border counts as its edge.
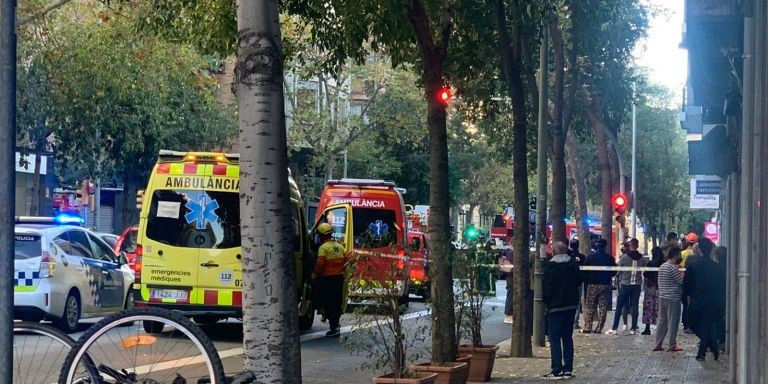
(7, 181)
(633, 193)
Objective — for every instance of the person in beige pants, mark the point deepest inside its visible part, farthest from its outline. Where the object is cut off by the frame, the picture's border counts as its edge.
(670, 294)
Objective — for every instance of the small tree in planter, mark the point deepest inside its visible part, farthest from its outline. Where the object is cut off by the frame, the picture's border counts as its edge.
(471, 266)
(379, 332)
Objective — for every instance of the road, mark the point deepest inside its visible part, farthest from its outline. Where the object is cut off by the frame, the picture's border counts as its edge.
(324, 360)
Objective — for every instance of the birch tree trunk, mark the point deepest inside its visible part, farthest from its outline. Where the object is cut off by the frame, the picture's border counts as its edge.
(580, 190)
(559, 177)
(606, 180)
(270, 310)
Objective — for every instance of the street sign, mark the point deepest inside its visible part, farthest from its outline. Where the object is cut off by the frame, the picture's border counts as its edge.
(707, 187)
(703, 201)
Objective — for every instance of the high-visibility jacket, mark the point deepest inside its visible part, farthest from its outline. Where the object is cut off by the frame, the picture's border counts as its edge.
(330, 259)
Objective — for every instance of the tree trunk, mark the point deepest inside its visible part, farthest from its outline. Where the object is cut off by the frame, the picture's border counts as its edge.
(270, 310)
(330, 164)
(443, 317)
(470, 214)
(580, 190)
(559, 181)
(130, 215)
(606, 189)
(34, 206)
(511, 61)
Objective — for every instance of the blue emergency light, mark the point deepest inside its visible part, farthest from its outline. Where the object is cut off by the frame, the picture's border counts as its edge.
(68, 219)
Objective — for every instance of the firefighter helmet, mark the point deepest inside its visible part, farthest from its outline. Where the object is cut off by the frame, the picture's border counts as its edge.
(324, 229)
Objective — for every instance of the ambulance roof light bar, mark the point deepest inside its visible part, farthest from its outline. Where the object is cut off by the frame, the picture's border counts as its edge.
(367, 182)
(171, 156)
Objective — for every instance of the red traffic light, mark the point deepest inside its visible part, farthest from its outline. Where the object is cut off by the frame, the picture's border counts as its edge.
(444, 95)
(619, 201)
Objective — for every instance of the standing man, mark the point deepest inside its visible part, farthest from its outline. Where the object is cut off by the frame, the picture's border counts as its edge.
(670, 294)
(561, 296)
(580, 258)
(599, 293)
(630, 283)
(704, 287)
(329, 277)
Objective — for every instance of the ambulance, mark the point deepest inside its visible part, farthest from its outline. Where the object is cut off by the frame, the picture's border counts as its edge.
(368, 218)
(188, 255)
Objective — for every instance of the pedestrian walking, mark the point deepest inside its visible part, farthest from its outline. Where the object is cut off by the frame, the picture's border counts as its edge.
(651, 290)
(670, 293)
(561, 281)
(598, 283)
(329, 277)
(704, 287)
(630, 283)
(580, 258)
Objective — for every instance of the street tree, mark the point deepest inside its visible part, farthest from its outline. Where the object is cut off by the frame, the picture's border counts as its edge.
(114, 101)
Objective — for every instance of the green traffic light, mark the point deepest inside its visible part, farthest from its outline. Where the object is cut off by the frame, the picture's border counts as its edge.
(471, 233)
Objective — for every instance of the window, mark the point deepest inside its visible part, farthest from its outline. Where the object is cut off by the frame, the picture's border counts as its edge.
(80, 244)
(195, 219)
(129, 243)
(26, 247)
(337, 217)
(101, 251)
(498, 221)
(374, 228)
(62, 241)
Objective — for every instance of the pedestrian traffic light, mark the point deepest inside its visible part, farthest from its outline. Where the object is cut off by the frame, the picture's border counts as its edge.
(444, 94)
(532, 204)
(619, 203)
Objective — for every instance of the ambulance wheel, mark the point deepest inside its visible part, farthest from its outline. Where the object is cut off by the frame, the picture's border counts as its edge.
(153, 327)
(306, 321)
(206, 319)
(70, 319)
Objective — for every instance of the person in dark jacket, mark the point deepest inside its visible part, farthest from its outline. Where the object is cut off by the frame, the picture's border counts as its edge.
(651, 289)
(561, 296)
(704, 288)
(598, 284)
(573, 251)
(629, 287)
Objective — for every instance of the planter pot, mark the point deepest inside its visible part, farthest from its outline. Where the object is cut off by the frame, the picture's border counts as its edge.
(465, 358)
(483, 359)
(421, 378)
(448, 373)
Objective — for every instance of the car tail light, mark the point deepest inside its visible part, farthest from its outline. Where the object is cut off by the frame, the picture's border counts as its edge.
(137, 264)
(401, 259)
(47, 265)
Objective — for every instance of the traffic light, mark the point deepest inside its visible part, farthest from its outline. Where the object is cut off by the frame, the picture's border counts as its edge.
(139, 198)
(444, 94)
(619, 203)
(471, 233)
(532, 204)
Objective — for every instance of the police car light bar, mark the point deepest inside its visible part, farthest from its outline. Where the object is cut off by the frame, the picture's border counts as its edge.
(60, 219)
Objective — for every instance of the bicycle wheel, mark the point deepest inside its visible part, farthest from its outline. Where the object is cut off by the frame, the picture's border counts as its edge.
(111, 352)
(38, 352)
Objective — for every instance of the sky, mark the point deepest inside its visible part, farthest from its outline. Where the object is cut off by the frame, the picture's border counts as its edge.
(660, 51)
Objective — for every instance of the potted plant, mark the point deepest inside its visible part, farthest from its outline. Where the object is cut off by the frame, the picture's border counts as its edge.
(454, 372)
(378, 331)
(474, 266)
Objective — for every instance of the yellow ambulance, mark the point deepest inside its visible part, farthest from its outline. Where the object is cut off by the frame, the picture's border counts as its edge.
(188, 252)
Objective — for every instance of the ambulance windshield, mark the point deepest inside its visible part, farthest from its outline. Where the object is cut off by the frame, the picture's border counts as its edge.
(374, 228)
(195, 219)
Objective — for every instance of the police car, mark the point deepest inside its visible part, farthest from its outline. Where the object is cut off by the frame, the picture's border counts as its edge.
(63, 273)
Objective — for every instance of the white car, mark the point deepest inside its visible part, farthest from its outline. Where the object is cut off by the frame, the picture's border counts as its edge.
(64, 273)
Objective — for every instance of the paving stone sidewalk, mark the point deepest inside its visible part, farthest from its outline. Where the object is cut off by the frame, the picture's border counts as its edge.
(616, 359)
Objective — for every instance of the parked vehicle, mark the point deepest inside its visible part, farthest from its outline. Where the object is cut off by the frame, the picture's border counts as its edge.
(127, 243)
(64, 273)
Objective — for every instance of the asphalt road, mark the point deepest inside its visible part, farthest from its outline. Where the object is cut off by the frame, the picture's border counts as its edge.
(324, 360)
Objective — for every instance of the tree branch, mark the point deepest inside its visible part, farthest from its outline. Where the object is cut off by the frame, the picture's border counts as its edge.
(51, 7)
(420, 23)
(445, 32)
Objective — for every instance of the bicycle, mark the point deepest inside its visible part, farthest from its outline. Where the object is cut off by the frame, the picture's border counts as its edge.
(117, 350)
(36, 349)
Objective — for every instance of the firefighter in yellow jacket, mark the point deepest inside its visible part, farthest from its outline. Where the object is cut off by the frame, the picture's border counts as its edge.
(329, 277)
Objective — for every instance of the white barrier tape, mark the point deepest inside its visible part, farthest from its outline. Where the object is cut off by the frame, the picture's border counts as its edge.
(507, 267)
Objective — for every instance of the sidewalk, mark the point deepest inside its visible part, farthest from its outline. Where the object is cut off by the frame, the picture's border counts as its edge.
(616, 359)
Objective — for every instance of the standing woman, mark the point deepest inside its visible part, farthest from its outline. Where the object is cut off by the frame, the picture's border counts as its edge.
(651, 289)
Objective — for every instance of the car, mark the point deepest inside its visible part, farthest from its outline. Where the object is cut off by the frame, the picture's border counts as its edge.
(110, 239)
(126, 243)
(65, 273)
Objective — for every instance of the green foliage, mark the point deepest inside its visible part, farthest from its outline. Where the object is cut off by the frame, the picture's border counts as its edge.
(115, 100)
